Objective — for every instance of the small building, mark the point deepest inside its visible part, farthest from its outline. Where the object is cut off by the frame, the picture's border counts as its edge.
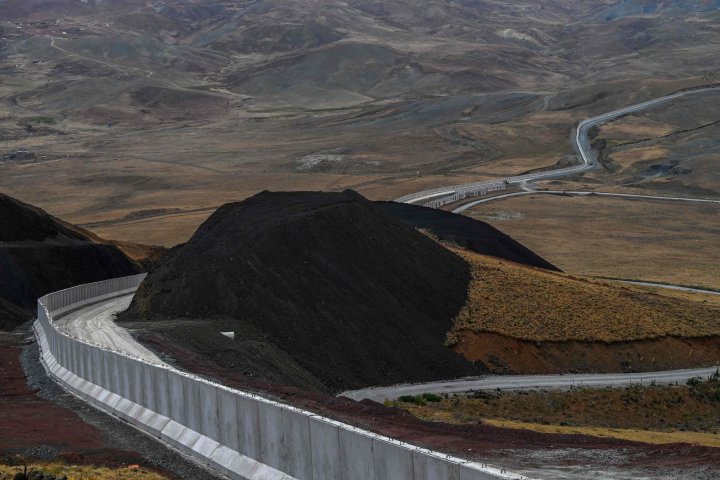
(23, 154)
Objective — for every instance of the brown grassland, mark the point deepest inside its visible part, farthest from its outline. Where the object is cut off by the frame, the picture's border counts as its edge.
(549, 306)
(650, 240)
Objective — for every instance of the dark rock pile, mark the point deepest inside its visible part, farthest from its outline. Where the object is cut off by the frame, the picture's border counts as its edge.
(322, 290)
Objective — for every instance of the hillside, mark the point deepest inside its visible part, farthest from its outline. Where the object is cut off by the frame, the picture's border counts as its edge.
(307, 280)
(526, 320)
(545, 306)
(466, 233)
(225, 99)
(40, 254)
(20, 222)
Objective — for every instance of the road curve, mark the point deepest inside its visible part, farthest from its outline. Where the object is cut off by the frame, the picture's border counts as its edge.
(95, 324)
(581, 143)
(528, 382)
(587, 193)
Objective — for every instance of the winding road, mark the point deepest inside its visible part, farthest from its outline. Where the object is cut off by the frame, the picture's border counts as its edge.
(95, 324)
(581, 143)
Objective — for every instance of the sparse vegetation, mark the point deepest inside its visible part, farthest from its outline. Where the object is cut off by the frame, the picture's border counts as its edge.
(538, 305)
(635, 413)
(76, 472)
(419, 400)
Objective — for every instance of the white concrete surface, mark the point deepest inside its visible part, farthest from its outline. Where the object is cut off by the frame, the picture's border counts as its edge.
(95, 324)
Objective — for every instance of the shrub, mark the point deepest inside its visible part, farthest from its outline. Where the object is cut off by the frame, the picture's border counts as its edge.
(431, 397)
(415, 400)
(694, 381)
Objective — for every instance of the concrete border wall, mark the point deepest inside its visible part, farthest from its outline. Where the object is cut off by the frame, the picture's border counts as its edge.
(242, 435)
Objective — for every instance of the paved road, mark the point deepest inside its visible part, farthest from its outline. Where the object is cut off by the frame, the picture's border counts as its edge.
(670, 287)
(96, 324)
(585, 193)
(526, 382)
(581, 143)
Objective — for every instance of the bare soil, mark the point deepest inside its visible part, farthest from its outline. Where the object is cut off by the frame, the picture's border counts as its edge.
(41, 422)
(503, 354)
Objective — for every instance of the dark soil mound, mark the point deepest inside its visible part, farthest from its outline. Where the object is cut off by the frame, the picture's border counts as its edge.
(464, 231)
(11, 315)
(29, 272)
(40, 254)
(20, 222)
(325, 287)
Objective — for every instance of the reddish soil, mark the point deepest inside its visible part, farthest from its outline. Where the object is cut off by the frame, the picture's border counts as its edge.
(479, 440)
(503, 354)
(28, 421)
(33, 427)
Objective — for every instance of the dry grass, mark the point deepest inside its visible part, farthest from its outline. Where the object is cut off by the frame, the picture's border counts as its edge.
(629, 157)
(538, 305)
(634, 128)
(652, 414)
(646, 436)
(648, 240)
(78, 472)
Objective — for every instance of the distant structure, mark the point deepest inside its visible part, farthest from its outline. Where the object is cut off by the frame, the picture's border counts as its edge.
(20, 155)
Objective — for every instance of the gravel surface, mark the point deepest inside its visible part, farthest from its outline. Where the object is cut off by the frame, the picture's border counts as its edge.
(577, 464)
(118, 434)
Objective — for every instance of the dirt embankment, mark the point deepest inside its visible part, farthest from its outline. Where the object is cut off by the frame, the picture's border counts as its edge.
(526, 320)
(309, 280)
(506, 355)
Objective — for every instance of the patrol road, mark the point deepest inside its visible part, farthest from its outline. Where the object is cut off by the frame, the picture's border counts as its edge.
(528, 382)
(96, 324)
(581, 143)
